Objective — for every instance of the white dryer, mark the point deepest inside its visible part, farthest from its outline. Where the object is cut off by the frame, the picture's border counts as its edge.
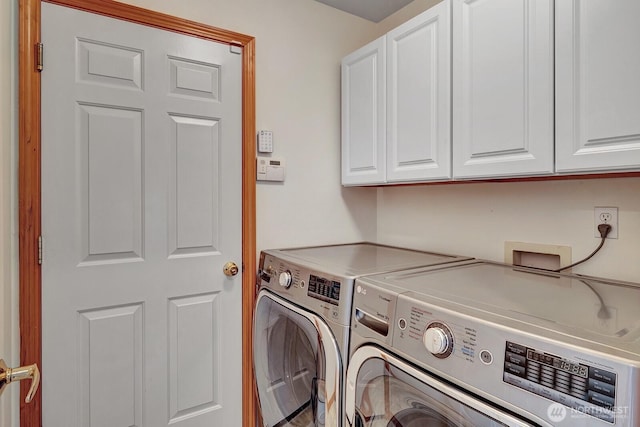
(484, 344)
(301, 325)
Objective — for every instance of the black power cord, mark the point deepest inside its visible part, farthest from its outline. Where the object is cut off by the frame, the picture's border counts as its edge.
(603, 312)
(604, 230)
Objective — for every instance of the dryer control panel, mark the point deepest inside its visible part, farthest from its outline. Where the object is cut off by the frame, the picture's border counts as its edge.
(324, 289)
(317, 291)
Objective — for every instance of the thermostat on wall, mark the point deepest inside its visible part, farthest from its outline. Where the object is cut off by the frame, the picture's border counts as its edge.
(270, 169)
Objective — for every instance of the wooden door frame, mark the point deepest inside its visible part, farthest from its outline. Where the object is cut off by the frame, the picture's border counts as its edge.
(29, 208)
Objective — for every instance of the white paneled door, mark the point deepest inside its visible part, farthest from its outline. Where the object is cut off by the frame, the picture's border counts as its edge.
(141, 209)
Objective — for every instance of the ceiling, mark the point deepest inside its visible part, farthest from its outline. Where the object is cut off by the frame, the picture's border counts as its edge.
(373, 10)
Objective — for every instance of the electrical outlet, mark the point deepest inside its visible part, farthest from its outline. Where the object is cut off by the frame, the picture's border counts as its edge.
(606, 215)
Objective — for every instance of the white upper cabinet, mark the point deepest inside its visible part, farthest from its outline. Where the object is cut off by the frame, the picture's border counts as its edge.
(503, 76)
(597, 85)
(481, 89)
(396, 104)
(419, 97)
(363, 115)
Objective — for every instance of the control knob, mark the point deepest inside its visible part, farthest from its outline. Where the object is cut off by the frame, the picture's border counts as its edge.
(438, 340)
(285, 279)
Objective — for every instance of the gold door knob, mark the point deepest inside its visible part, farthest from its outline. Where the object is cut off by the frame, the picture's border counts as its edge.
(8, 375)
(230, 269)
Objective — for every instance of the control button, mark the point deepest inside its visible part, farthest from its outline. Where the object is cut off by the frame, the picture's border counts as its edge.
(302, 283)
(358, 289)
(601, 400)
(486, 357)
(515, 359)
(438, 340)
(516, 348)
(602, 388)
(514, 369)
(601, 375)
(606, 416)
(285, 279)
(402, 324)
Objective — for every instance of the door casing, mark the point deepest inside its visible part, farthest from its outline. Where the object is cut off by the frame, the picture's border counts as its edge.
(29, 188)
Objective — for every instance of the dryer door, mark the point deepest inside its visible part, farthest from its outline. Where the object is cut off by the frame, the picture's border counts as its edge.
(384, 391)
(297, 365)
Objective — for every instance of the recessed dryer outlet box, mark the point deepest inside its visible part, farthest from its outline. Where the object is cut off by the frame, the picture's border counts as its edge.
(548, 257)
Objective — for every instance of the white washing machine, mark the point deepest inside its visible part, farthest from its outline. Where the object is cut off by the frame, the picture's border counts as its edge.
(301, 325)
(485, 344)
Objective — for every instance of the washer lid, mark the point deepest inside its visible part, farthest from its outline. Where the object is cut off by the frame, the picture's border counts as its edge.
(358, 259)
(593, 309)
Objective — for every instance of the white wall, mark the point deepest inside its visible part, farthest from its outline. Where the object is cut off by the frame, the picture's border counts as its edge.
(299, 45)
(477, 218)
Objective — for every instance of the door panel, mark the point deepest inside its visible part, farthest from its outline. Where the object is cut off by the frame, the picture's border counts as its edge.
(193, 198)
(419, 97)
(363, 115)
(99, 358)
(141, 208)
(109, 153)
(597, 85)
(192, 353)
(502, 88)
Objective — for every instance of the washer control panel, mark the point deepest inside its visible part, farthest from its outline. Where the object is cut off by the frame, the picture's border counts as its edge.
(504, 364)
(574, 384)
(428, 334)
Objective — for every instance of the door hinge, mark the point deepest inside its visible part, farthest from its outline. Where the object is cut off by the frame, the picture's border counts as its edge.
(40, 250)
(39, 56)
(235, 47)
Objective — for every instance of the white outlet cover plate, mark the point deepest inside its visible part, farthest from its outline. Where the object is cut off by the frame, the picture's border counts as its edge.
(597, 212)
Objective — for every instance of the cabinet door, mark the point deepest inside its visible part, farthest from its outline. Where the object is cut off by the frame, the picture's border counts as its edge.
(597, 85)
(502, 88)
(419, 97)
(363, 115)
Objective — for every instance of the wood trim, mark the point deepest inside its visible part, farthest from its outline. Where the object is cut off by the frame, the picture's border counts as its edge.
(29, 181)
(249, 268)
(29, 202)
(151, 18)
(603, 175)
